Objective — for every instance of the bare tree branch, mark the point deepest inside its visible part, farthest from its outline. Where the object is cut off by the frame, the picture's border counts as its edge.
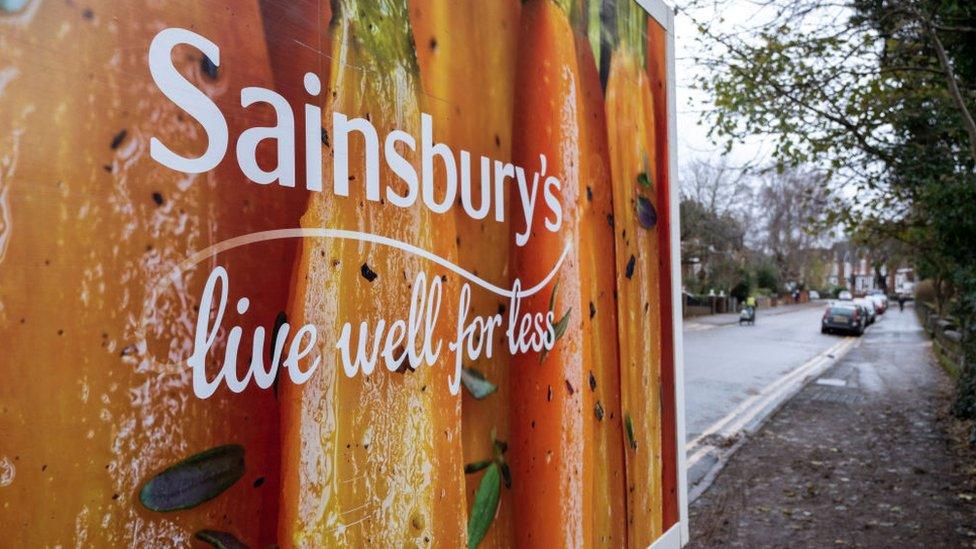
(951, 81)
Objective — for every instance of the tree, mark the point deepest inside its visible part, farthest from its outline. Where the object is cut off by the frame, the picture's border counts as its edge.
(766, 277)
(715, 201)
(881, 94)
(721, 189)
(794, 205)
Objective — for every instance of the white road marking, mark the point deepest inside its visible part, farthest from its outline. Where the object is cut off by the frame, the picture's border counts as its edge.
(752, 412)
(748, 409)
(832, 382)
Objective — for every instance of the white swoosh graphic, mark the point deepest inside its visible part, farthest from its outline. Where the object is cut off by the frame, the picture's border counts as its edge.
(314, 232)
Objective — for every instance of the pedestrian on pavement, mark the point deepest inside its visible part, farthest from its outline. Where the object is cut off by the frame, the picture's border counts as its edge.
(901, 302)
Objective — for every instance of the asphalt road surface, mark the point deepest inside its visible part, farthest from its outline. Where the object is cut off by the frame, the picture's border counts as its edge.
(726, 364)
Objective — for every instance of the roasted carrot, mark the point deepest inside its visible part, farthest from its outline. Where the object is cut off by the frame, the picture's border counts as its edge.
(97, 396)
(372, 460)
(657, 78)
(551, 470)
(633, 160)
(468, 87)
(286, 25)
(609, 517)
(297, 37)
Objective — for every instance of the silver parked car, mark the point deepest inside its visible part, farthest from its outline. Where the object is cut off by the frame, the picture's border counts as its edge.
(880, 300)
(870, 307)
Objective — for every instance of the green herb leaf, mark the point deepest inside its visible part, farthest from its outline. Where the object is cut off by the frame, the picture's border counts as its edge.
(476, 384)
(552, 296)
(643, 179)
(559, 331)
(476, 466)
(562, 325)
(630, 432)
(194, 480)
(485, 505)
(220, 540)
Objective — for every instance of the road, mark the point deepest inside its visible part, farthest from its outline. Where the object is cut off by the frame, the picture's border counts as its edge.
(727, 364)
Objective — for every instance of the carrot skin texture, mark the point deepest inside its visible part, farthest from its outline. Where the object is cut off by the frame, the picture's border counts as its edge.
(468, 88)
(90, 225)
(630, 123)
(371, 460)
(657, 75)
(609, 514)
(550, 468)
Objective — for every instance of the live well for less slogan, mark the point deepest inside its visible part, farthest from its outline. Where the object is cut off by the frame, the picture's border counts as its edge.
(351, 273)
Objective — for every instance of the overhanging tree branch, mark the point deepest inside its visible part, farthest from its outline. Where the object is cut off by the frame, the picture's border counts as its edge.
(951, 81)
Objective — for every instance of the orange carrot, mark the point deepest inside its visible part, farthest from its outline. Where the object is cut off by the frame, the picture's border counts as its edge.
(609, 514)
(372, 460)
(469, 91)
(630, 123)
(657, 78)
(90, 225)
(550, 468)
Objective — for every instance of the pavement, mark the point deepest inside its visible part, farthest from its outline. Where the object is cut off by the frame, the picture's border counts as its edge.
(736, 376)
(707, 322)
(864, 453)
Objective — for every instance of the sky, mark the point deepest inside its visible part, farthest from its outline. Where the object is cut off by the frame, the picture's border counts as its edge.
(693, 140)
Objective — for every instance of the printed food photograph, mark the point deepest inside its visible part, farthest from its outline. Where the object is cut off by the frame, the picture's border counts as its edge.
(312, 273)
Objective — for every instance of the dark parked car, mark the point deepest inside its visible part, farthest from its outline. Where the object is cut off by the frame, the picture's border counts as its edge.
(844, 318)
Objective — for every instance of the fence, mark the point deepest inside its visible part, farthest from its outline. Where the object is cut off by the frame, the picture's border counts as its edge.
(700, 305)
(946, 337)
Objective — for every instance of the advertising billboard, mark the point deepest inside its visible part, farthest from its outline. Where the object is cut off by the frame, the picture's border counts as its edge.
(350, 273)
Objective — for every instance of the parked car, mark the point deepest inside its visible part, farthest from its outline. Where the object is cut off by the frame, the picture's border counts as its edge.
(813, 294)
(844, 295)
(871, 308)
(880, 300)
(843, 318)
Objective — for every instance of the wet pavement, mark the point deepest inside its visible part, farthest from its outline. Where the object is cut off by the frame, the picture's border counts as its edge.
(865, 455)
(725, 364)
